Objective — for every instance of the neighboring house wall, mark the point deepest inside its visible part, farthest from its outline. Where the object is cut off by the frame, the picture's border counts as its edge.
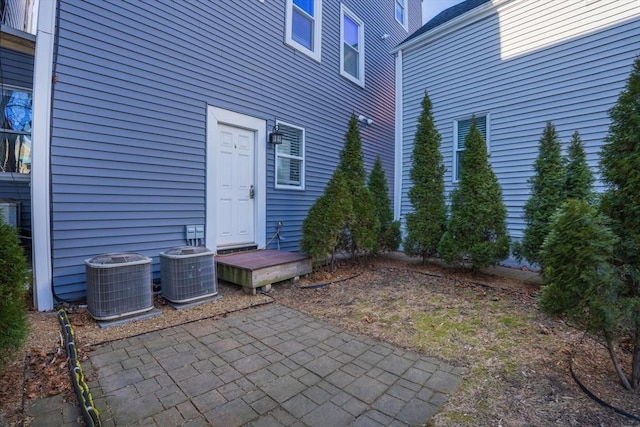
(522, 64)
(133, 83)
(16, 72)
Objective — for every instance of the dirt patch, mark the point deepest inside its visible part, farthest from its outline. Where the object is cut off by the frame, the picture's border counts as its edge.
(516, 359)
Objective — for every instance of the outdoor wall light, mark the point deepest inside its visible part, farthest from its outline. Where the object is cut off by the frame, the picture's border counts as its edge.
(275, 136)
(365, 120)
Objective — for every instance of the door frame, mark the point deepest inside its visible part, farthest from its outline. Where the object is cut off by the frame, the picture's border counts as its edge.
(215, 117)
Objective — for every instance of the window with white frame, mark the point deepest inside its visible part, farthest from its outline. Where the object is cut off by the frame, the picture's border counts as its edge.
(304, 26)
(461, 128)
(290, 158)
(15, 132)
(401, 12)
(352, 46)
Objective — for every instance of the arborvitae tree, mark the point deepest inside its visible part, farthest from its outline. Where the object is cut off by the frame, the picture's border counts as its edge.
(13, 278)
(477, 229)
(579, 177)
(580, 281)
(329, 216)
(361, 235)
(620, 158)
(388, 233)
(547, 194)
(426, 224)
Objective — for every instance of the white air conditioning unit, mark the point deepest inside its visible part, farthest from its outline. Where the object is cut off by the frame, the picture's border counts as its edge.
(118, 285)
(187, 274)
(10, 212)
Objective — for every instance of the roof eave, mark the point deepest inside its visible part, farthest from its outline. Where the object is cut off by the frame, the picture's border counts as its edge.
(456, 23)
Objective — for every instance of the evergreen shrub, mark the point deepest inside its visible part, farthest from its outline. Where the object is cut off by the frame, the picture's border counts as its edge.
(547, 195)
(360, 235)
(14, 275)
(388, 234)
(426, 223)
(477, 229)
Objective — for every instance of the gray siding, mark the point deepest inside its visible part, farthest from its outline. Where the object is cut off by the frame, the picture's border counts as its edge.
(129, 120)
(17, 70)
(504, 66)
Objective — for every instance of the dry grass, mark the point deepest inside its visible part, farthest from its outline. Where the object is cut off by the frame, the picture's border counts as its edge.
(516, 359)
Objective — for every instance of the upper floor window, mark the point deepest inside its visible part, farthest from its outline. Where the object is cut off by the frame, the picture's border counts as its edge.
(290, 158)
(15, 133)
(401, 12)
(461, 129)
(352, 46)
(304, 26)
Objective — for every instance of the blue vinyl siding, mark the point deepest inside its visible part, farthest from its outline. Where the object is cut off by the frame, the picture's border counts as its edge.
(129, 117)
(17, 70)
(572, 82)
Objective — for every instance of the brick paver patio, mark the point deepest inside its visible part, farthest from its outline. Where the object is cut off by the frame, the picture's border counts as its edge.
(268, 366)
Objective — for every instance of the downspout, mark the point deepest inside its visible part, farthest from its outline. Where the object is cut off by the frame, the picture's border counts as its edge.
(398, 172)
(41, 167)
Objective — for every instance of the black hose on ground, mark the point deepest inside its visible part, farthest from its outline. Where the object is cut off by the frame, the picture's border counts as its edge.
(323, 285)
(596, 398)
(225, 314)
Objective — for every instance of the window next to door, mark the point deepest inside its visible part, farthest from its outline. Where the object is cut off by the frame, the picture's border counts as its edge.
(304, 26)
(290, 158)
(15, 131)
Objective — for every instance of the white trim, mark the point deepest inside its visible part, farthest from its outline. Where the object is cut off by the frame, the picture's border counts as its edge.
(405, 10)
(314, 53)
(483, 11)
(217, 116)
(398, 172)
(303, 158)
(357, 80)
(40, 165)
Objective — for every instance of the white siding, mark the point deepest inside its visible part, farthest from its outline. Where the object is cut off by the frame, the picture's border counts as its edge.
(525, 64)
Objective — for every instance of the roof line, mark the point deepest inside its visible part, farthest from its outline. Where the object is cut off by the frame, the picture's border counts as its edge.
(456, 14)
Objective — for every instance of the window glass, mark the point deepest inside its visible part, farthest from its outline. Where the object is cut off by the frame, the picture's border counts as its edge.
(351, 36)
(304, 25)
(305, 6)
(352, 47)
(400, 11)
(290, 158)
(15, 133)
(302, 30)
(462, 130)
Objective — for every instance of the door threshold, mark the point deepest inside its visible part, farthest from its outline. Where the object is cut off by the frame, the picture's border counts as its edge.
(226, 251)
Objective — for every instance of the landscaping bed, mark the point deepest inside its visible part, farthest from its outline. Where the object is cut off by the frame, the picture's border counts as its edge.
(516, 359)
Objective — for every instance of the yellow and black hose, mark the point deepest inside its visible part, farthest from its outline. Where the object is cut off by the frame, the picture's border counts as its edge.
(90, 414)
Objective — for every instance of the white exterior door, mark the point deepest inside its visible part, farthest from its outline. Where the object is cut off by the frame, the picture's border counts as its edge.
(235, 177)
(235, 190)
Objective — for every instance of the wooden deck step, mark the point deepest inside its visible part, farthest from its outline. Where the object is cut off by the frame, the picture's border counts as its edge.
(261, 268)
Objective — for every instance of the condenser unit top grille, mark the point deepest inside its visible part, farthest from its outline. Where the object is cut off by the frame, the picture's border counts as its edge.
(186, 251)
(116, 259)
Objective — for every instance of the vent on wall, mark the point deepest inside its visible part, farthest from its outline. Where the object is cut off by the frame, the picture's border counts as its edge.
(118, 285)
(188, 273)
